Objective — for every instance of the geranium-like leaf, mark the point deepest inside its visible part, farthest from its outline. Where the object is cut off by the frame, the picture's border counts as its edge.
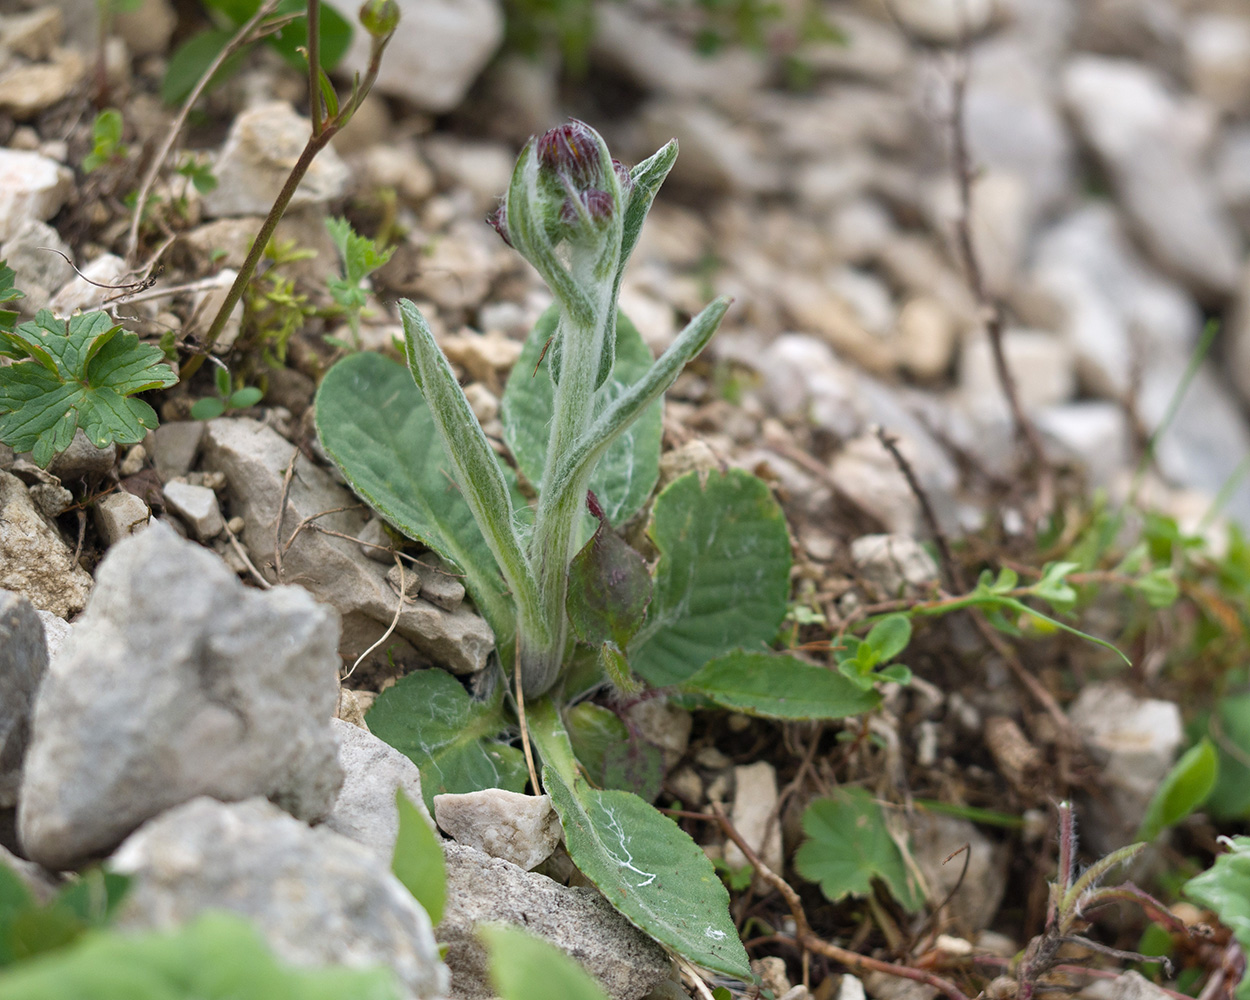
(81, 372)
(609, 586)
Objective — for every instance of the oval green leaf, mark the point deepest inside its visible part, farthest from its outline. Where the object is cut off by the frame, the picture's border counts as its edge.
(722, 579)
(651, 871)
(417, 860)
(430, 718)
(779, 687)
(523, 967)
(1183, 790)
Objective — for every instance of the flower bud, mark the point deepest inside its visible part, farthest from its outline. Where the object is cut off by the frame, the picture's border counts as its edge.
(379, 17)
(498, 219)
(597, 205)
(572, 151)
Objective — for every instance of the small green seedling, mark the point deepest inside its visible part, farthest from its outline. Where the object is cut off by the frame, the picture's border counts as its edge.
(199, 172)
(106, 136)
(857, 659)
(360, 257)
(81, 372)
(227, 398)
(572, 606)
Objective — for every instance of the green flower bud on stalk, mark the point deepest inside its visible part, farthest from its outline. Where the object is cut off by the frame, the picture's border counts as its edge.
(379, 17)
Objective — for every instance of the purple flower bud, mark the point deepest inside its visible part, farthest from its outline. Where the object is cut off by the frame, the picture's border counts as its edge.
(598, 205)
(622, 175)
(571, 150)
(498, 219)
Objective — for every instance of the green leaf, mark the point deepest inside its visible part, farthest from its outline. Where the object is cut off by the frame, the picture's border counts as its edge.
(722, 579)
(191, 60)
(249, 395)
(1225, 888)
(627, 472)
(1184, 789)
(524, 967)
(609, 587)
(430, 718)
(418, 859)
(888, 637)
(612, 756)
(208, 408)
(1158, 587)
(779, 687)
(1053, 586)
(82, 373)
(651, 871)
(849, 845)
(360, 255)
(336, 34)
(1230, 726)
(375, 425)
(217, 957)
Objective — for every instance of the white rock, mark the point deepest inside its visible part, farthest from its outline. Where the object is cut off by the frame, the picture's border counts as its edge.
(755, 796)
(176, 443)
(1217, 56)
(34, 561)
(147, 28)
(1135, 740)
(38, 272)
(119, 515)
(926, 337)
(31, 187)
(23, 663)
(716, 154)
(894, 563)
(83, 292)
(178, 681)
(1096, 434)
(868, 475)
(1153, 145)
(55, 631)
(483, 168)
(365, 808)
(1041, 363)
(1232, 173)
(944, 21)
(522, 829)
(264, 143)
(32, 34)
(198, 508)
(317, 897)
(437, 52)
(26, 91)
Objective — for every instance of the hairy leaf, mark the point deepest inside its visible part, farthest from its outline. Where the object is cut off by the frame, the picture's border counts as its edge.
(778, 687)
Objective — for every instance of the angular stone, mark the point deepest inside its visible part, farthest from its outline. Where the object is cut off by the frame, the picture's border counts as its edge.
(32, 34)
(755, 795)
(23, 661)
(55, 631)
(254, 459)
(316, 897)
(523, 829)
(37, 272)
(31, 187)
(365, 808)
(83, 458)
(981, 890)
(28, 90)
(119, 515)
(580, 922)
(263, 145)
(178, 681)
(198, 508)
(34, 561)
(176, 445)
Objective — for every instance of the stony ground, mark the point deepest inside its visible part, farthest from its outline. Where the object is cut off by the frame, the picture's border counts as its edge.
(1104, 149)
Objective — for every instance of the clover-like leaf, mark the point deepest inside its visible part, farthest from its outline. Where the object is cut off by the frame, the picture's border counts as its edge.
(82, 372)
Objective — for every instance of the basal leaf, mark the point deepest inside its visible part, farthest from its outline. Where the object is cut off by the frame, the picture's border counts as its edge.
(523, 967)
(778, 687)
(1230, 798)
(1183, 790)
(627, 472)
(1225, 888)
(612, 756)
(417, 860)
(430, 718)
(849, 845)
(389, 452)
(651, 871)
(722, 579)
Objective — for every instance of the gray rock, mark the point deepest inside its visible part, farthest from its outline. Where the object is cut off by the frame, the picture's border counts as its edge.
(198, 508)
(31, 187)
(439, 50)
(254, 459)
(254, 163)
(41, 885)
(34, 561)
(32, 34)
(23, 661)
(38, 272)
(716, 154)
(147, 28)
(1042, 365)
(55, 631)
(1135, 740)
(1153, 145)
(50, 499)
(119, 515)
(944, 21)
(522, 829)
(755, 796)
(372, 771)
(895, 563)
(178, 681)
(175, 447)
(933, 837)
(580, 922)
(439, 582)
(317, 897)
(27, 90)
(1135, 986)
(1093, 433)
(1217, 57)
(83, 458)
(87, 291)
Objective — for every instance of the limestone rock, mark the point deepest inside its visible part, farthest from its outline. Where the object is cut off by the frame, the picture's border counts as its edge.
(119, 515)
(26, 91)
(198, 508)
(31, 187)
(34, 561)
(316, 897)
(178, 681)
(897, 564)
(23, 661)
(523, 829)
